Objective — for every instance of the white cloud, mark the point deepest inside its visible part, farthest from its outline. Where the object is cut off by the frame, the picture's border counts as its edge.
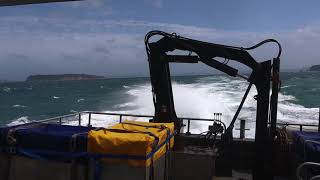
(88, 4)
(156, 3)
(109, 46)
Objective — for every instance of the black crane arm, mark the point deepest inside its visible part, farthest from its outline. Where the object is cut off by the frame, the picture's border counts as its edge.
(262, 74)
(205, 53)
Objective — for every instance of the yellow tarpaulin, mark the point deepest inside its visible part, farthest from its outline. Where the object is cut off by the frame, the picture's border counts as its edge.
(131, 138)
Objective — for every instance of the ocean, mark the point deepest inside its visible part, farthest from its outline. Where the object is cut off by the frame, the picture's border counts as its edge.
(195, 96)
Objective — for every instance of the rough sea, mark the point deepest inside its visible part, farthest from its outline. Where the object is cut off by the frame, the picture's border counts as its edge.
(195, 96)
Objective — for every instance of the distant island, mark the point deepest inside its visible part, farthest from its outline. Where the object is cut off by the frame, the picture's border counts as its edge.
(314, 68)
(63, 77)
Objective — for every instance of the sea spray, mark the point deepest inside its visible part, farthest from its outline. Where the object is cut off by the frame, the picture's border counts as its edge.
(195, 96)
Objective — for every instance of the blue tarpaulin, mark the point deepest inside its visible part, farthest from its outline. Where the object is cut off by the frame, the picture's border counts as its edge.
(307, 151)
(59, 138)
(53, 137)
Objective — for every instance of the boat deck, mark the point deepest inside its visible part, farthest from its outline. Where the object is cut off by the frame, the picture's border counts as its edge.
(192, 157)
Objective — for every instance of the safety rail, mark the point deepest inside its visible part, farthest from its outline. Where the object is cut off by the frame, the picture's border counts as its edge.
(78, 117)
(301, 126)
(57, 119)
(217, 118)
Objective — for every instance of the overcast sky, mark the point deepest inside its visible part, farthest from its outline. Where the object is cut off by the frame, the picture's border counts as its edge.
(105, 37)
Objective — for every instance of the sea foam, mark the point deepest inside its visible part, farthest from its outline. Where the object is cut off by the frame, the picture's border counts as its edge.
(211, 95)
(201, 99)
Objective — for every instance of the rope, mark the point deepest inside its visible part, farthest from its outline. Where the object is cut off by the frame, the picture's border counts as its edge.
(282, 139)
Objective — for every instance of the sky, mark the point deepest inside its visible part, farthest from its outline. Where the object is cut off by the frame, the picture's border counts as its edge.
(105, 37)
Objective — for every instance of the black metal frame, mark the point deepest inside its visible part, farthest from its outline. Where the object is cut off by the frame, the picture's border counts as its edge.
(206, 52)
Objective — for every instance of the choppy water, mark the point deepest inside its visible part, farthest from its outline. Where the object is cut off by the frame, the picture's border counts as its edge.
(195, 96)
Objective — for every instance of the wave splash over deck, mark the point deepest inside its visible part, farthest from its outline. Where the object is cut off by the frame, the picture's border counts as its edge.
(195, 97)
(219, 95)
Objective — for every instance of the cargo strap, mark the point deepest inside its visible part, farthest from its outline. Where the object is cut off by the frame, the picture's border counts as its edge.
(73, 140)
(167, 157)
(151, 170)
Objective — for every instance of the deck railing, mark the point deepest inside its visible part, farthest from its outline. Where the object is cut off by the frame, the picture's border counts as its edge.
(301, 126)
(217, 118)
(78, 117)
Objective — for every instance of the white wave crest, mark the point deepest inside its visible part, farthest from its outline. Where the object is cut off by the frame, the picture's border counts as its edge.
(18, 106)
(79, 100)
(218, 95)
(20, 120)
(283, 87)
(129, 104)
(6, 89)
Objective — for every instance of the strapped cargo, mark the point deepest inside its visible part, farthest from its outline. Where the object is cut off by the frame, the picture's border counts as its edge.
(134, 143)
(138, 148)
(141, 149)
(45, 141)
(38, 151)
(307, 145)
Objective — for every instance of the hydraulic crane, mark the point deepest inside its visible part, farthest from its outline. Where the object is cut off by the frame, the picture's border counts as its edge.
(261, 75)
